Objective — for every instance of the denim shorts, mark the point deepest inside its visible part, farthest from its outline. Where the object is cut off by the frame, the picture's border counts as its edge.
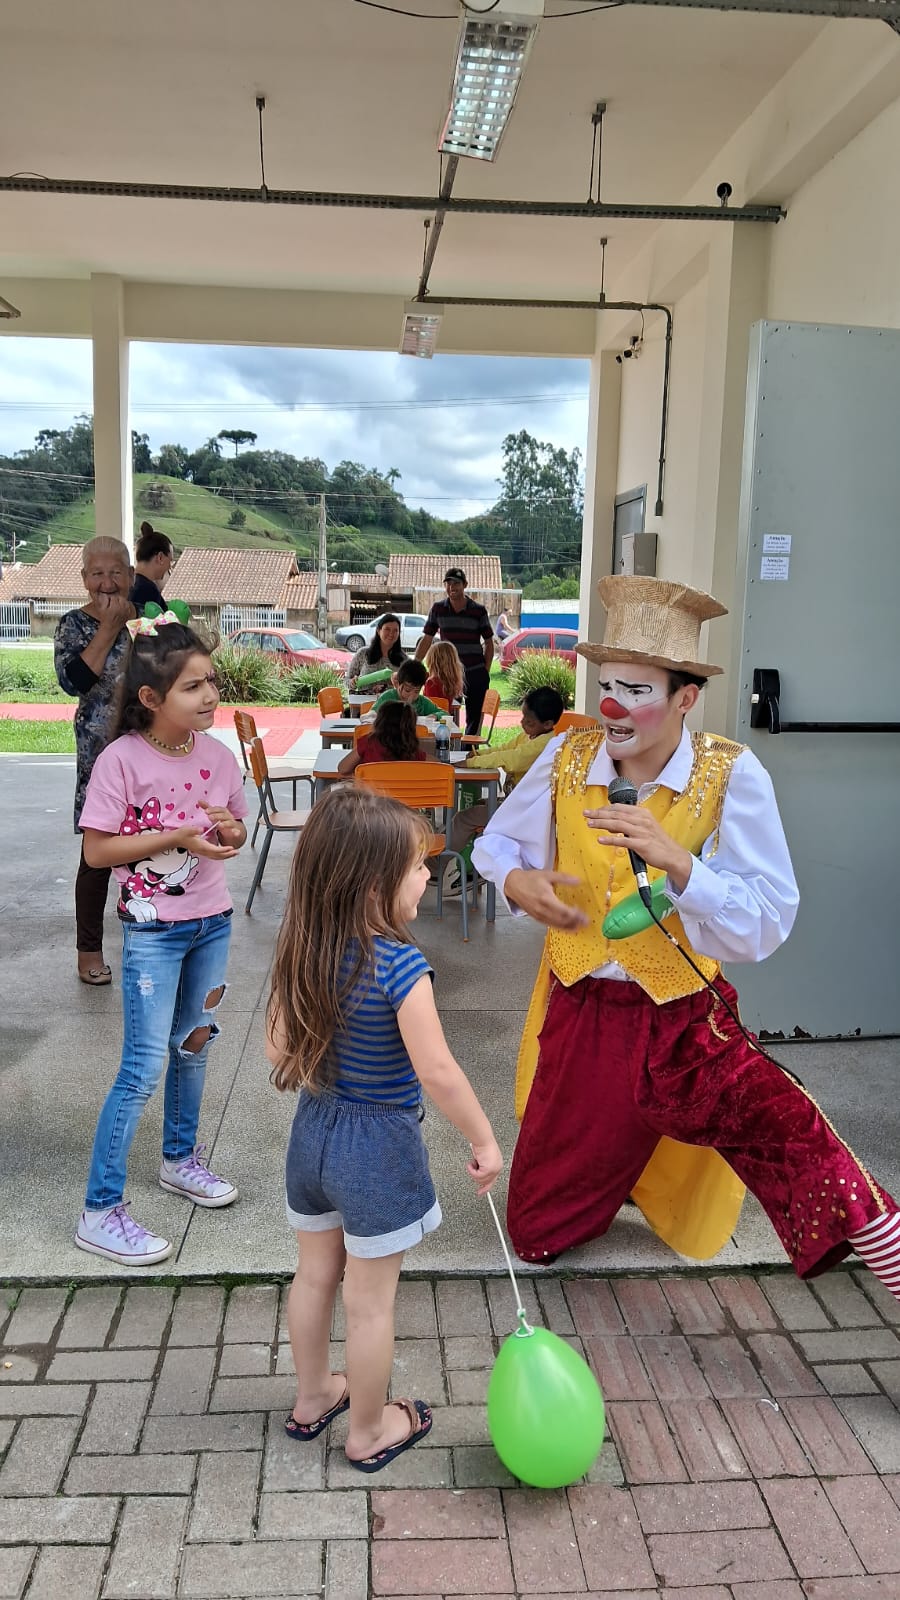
(363, 1168)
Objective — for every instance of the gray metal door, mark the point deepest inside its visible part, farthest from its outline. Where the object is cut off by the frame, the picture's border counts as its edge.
(819, 568)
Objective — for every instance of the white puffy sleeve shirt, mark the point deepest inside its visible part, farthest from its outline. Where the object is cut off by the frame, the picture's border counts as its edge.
(740, 901)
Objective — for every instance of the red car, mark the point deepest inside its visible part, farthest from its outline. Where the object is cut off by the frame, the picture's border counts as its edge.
(558, 641)
(290, 647)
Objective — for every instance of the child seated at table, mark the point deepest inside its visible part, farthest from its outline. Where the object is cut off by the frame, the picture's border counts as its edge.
(541, 710)
(407, 684)
(393, 738)
(446, 677)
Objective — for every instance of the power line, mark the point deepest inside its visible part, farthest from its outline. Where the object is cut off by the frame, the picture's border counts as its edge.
(188, 407)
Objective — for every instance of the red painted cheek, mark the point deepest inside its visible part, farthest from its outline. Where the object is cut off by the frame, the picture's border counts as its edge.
(610, 708)
(650, 716)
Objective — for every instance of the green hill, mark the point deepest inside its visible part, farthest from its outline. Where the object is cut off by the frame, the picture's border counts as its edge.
(198, 517)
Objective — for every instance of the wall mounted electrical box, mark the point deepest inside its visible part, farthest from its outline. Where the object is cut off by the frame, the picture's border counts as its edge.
(638, 557)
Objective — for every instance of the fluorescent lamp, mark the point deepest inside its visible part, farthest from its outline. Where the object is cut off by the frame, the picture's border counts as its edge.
(491, 53)
(421, 322)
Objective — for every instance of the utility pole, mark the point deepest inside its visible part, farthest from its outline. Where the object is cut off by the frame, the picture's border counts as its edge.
(322, 601)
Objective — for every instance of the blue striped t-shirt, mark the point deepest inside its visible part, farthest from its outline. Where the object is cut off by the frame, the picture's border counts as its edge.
(371, 1059)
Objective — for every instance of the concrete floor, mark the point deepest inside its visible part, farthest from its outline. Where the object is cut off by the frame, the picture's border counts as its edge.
(60, 1041)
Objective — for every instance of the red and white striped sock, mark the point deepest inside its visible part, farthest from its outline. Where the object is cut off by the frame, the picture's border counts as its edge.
(879, 1245)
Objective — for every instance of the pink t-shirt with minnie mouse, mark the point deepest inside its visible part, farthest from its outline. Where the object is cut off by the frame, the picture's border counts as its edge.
(134, 790)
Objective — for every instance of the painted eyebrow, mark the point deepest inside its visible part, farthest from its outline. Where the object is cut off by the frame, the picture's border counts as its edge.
(623, 683)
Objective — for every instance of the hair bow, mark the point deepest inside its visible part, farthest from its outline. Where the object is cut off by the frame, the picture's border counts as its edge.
(155, 618)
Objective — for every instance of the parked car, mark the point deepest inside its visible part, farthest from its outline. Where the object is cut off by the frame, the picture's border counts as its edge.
(289, 647)
(559, 642)
(357, 634)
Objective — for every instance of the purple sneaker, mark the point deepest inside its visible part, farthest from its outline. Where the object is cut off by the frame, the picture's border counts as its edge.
(191, 1178)
(115, 1234)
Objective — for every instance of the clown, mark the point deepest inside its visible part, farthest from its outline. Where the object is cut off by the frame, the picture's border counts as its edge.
(635, 1074)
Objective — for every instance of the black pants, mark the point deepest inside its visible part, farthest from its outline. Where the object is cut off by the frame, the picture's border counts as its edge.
(91, 886)
(477, 681)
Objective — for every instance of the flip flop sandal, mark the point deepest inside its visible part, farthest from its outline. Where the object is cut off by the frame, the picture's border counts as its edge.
(303, 1431)
(420, 1420)
(97, 976)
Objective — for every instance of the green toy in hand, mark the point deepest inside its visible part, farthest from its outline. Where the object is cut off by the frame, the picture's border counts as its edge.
(631, 916)
(368, 679)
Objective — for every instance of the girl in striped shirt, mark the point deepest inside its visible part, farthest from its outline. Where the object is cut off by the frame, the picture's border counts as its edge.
(352, 1025)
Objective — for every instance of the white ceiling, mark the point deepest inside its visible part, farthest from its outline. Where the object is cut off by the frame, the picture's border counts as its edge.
(117, 90)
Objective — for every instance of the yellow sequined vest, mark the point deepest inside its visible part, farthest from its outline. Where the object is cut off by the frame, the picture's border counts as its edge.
(605, 873)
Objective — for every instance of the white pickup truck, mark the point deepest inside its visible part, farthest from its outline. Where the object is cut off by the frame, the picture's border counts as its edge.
(357, 634)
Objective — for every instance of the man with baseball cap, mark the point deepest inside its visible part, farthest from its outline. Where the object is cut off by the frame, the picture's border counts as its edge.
(462, 622)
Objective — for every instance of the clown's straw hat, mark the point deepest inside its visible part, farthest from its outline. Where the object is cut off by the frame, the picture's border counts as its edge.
(655, 622)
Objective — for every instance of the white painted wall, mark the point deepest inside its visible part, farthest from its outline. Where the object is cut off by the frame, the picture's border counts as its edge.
(639, 433)
(837, 256)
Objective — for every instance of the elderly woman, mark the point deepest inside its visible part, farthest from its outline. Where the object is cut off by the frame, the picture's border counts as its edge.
(89, 649)
(383, 653)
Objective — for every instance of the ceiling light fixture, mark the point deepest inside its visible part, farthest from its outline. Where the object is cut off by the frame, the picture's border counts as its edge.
(491, 53)
(421, 322)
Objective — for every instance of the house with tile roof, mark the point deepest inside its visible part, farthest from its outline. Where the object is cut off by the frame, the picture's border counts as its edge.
(249, 588)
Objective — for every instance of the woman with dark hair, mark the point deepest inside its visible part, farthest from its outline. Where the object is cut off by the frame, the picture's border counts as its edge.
(383, 654)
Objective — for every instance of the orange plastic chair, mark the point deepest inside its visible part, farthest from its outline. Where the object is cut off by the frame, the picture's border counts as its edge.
(423, 786)
(489, 711)
(278, 772)
(575, 719)
(331, 701)
(365, 707)
(274, 821)
(439, 701)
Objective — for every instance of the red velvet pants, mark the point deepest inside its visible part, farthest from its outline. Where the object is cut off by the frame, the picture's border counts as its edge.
(616, 1071)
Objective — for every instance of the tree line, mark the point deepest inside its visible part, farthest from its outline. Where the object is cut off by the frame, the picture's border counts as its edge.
(534, 526)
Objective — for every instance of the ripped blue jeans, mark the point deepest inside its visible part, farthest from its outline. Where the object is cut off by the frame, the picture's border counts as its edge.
(173, 977)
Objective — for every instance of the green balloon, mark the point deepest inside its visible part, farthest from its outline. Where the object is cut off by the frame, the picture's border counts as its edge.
(545, 1410)
(631, 915)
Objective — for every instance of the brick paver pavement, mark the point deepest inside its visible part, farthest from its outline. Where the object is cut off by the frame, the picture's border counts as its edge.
(753, 1449)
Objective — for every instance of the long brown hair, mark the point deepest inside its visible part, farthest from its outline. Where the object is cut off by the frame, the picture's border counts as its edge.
(345, 878)
(395, 728)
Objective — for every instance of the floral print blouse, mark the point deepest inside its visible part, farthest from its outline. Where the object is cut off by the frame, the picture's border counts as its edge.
(94, 712)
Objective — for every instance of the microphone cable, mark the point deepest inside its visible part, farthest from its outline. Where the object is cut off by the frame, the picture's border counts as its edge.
(753, 1043)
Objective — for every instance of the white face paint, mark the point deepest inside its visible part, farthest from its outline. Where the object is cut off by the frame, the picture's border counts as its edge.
(634, 706)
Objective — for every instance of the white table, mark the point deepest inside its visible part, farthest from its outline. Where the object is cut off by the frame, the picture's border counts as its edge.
(341, 730)
(325, 772)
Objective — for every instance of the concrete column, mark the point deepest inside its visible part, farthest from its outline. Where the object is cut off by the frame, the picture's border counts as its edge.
(736, 298)
(114, 515)
(601, 469)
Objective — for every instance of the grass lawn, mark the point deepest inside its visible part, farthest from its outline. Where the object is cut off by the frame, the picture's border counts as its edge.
(28, 675)
(500, 681)
(44, 738)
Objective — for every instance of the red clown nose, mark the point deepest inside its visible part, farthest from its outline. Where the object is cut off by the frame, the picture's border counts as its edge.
(610, 708)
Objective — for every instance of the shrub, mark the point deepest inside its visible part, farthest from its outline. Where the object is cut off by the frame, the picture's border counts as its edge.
(28, 673)
(301, 684)
(157, 496)
(246, 675)
(237, 518)
(538, 669)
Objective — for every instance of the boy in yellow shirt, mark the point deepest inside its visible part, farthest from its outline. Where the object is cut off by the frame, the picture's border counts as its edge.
(541, 711)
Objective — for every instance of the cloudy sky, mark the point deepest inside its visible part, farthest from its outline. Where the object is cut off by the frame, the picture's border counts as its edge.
(440, 423)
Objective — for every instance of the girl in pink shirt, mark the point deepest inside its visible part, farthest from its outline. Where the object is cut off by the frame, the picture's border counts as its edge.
(163, 809)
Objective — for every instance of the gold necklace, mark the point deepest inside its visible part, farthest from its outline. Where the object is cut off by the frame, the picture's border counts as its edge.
(174, 749)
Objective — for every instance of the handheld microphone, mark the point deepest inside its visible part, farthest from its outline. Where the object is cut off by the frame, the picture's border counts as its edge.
(622, 792)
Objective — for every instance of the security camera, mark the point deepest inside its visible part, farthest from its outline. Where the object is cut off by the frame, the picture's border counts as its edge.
(634, 349)
(724, 192)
